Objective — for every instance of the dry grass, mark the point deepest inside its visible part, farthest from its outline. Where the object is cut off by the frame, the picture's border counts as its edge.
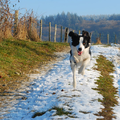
(33, 34)
(5, 33)
(24, 28)
(98, 41)
(27, 28)
(6, 20)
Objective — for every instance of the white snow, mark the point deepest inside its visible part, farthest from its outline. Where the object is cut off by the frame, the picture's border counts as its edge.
(54, 88)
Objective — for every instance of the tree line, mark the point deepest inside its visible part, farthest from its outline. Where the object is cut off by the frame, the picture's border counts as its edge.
(99, 25)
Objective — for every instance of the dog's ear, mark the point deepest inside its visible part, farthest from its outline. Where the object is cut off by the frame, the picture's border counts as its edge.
(85, 33)
(71, 33)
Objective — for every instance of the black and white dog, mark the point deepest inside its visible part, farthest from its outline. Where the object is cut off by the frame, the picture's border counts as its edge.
(80, 52)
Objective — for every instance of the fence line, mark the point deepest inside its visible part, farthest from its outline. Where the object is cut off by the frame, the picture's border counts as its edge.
(52, 33)
(55, 33)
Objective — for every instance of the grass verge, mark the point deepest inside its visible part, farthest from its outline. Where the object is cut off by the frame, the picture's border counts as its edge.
(106, 88)
(18, 58)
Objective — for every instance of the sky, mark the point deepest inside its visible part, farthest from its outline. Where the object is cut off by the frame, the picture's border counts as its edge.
(80, 7)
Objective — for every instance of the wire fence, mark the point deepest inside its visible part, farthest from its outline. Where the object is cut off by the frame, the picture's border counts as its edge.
(48, 33)
(28, 27)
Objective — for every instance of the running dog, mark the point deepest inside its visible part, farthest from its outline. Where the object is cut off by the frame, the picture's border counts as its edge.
(80, 52)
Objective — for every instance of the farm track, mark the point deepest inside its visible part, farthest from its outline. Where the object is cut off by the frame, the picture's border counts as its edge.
(53, 88)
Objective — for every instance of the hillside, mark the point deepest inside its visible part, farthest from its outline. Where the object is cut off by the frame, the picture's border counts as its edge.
(19, 57)
(102, 24)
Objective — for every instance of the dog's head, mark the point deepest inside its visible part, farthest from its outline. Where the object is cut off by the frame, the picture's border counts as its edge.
(80, 41)
(87, 38)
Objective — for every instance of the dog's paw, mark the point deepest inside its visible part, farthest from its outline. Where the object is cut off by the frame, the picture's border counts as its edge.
(81, 72)
(78, 71)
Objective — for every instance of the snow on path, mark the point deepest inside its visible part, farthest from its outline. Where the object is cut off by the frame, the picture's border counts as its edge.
(55, 89)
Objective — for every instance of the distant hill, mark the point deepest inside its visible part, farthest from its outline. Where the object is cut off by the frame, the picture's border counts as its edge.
(100, 25)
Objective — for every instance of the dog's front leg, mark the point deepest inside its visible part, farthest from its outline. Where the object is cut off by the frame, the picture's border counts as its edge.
(82, 68)
(76, 60)
(73, 67)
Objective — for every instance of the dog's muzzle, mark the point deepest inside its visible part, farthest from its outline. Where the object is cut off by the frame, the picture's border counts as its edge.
(80, 51)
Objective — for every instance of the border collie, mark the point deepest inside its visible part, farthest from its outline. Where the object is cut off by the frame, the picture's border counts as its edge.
(80, 52)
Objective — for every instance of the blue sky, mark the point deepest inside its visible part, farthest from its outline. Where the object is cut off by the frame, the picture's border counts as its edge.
(80, 7)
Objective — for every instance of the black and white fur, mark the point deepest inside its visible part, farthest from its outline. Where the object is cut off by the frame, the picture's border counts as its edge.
(80, 53)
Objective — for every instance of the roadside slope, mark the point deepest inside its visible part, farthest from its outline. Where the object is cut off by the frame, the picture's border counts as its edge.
(18, 58)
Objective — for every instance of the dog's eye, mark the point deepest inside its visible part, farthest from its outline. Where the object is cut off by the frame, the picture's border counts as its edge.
(83, 43)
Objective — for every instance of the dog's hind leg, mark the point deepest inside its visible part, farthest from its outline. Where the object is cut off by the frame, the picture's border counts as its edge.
(73, 67)
(74, 77)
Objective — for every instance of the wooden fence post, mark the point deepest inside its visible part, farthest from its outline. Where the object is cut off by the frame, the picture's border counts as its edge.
(66, 35)
(16, 22)
(61, 34)
(40, 35)
(30, 24)
(49, 31)
(55, 32)
(107, 38)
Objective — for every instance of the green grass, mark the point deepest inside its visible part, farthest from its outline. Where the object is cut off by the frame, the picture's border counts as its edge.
(106, 88)
(38, 114)
(18, 57)
(59, 112)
